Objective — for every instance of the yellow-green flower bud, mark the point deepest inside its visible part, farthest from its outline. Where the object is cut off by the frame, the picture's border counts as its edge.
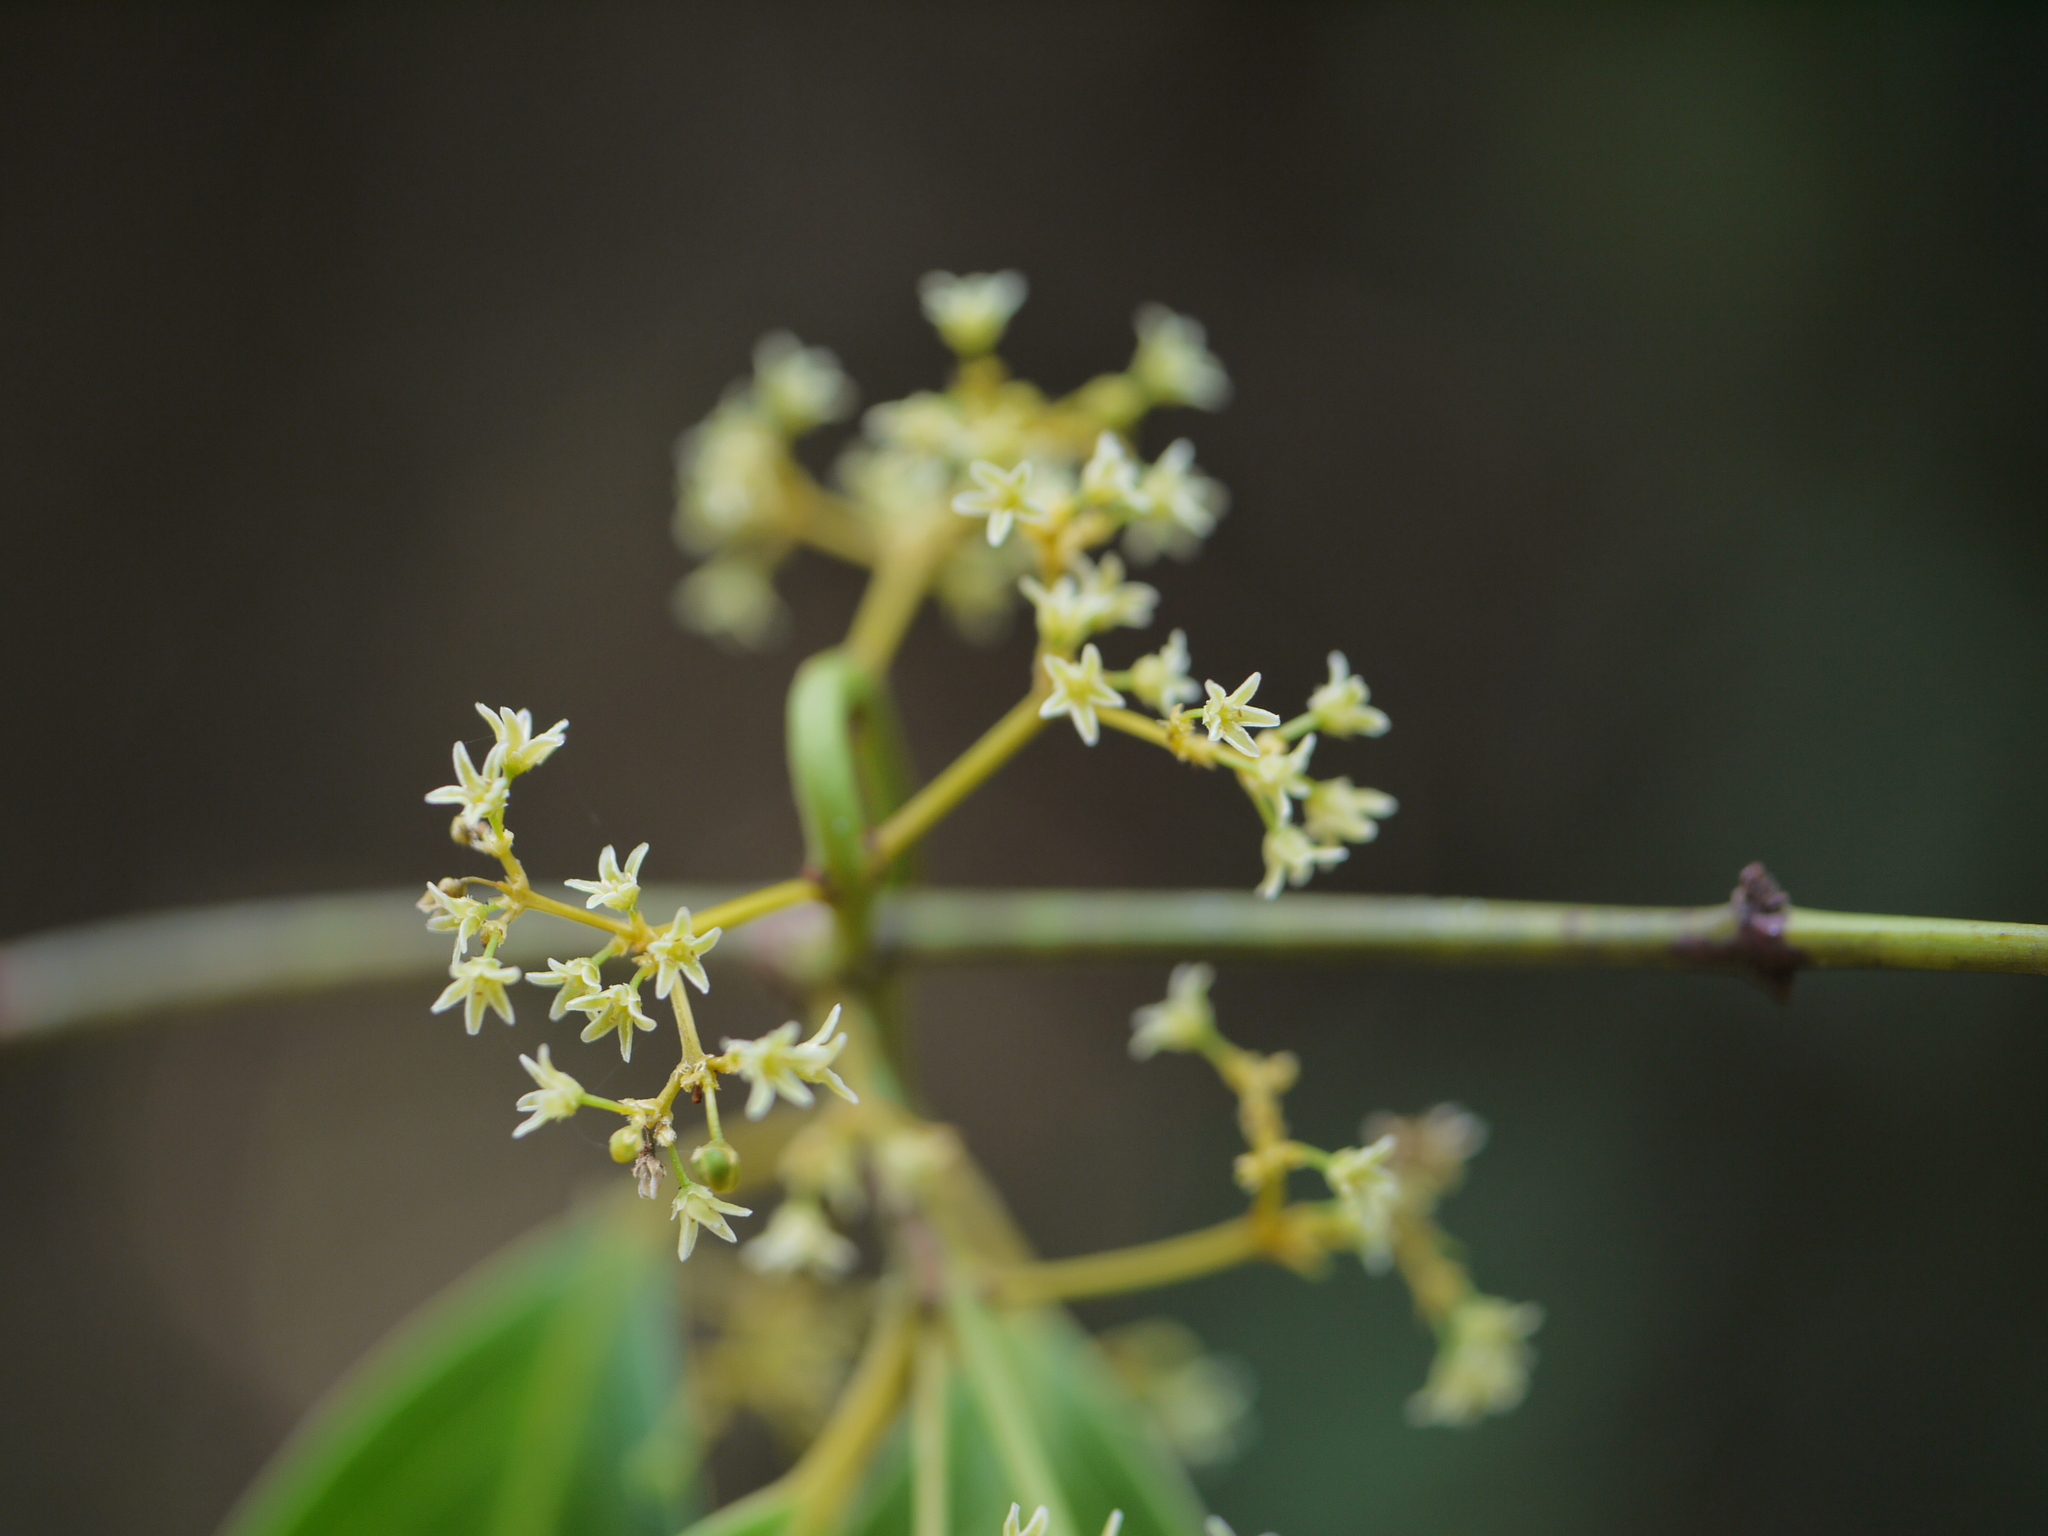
(718, 1165)
(625, 1143)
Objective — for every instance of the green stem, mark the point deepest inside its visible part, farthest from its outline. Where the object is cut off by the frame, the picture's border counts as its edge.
(239, 952)
(1450, 932)
(959, 779)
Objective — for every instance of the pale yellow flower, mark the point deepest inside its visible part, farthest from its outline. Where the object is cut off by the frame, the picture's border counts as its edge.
(1339, 705)
(1292, 856)
(1231, 717)
(971, 313)
(1482, 1363)
(1078, 691)
(556, 1095)
(1002, 496)
(478, 984)
(615, 886)
(695, 1206)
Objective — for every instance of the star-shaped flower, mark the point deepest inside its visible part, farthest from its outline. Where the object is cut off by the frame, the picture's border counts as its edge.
(777, 1064)
(1064, 615)
(971, 313)
(1231, 717)
(1078, 691)
(1280, 777)
(577, 979)
(481, 793)
(452, 912)
(614, 887)
(1337, 811)
(1292, 856)
(799, 1240)
(697, 1207)
(522, 749)
(678, 950)
(1185, 1021)
(1367, 1189)
(1339, 705)
(616, 1007)
(1110, 477)
(1001, 498)
(1161, 677)
(556, 1095)
(478, 984)
(1108, 600)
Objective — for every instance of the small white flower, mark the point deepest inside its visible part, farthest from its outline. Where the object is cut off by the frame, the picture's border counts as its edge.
(478, 984)
(481, 793)
(1280, 777)
(557, 1095)
(1063, 614)
(971, 313)
(731, 600)
(521, 748)
(697, 1207)
(1078, 691)
(1292, 856)
(776, 1064)
(1337, 811)
(1181, 506)
(1110, 477)
(460, 915)
(1185, 1021)
(1173, 363)
(1035, 1526)
(1231, 717)
(1367, 1189)
(1108, 600)
(614, 887)
(800, 386)
(1176, 492)
(1482, 1363)
(679, 950)
(799, 1240)
(577, 978)
(1161, 678)
(1339, 705)
(613, 1008)
(1001, 498)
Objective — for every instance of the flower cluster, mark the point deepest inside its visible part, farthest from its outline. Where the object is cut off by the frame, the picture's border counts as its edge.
(663, 955)
(989, 447)
(1384, 1193)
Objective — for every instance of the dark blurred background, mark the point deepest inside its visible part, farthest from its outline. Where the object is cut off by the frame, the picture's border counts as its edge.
(1650, 405)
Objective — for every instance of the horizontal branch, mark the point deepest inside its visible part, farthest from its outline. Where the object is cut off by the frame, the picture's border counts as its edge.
(244, 951)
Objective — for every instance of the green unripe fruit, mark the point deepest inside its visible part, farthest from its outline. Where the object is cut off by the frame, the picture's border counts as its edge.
(625, 1143)
(717, 1165)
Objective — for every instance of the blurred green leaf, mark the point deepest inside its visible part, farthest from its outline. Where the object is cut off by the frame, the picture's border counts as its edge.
(537, 1395)
(1103, 1453)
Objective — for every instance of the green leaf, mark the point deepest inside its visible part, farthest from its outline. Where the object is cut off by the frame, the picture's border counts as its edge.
(539, 1394)
(1103, 1454)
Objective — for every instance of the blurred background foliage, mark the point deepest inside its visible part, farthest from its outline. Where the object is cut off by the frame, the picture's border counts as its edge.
(1651, 405)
